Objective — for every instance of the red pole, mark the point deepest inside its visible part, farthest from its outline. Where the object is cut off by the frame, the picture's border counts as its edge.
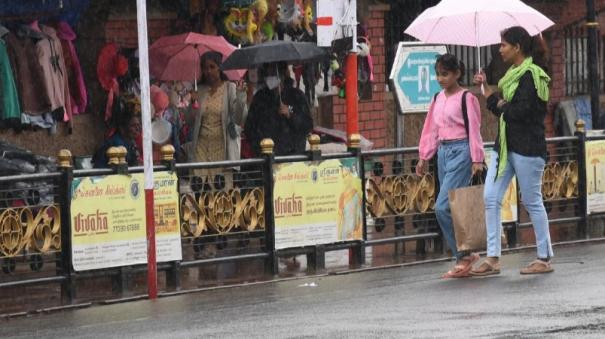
(351, 94)
(351, 105)
(152, 267)
(152, 281)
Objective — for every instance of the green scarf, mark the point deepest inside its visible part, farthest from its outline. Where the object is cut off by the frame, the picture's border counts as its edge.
(508, 85)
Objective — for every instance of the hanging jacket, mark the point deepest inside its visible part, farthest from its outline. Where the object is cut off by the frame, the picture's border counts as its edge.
(10, 111)
(27, 71)
(50, 56)
(75, 78)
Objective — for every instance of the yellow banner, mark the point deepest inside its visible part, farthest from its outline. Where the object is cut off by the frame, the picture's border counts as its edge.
(317, 203)
(108, 220)
(595, 176)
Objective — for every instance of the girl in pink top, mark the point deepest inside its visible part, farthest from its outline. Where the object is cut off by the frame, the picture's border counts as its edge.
(458, 146)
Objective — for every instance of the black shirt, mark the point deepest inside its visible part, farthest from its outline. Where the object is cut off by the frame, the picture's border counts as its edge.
(524, 116)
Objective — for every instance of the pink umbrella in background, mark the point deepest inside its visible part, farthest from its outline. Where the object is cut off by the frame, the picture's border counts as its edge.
(177, 57)
(475, 22)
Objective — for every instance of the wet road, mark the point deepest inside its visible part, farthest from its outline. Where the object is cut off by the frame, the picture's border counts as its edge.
(406, 302)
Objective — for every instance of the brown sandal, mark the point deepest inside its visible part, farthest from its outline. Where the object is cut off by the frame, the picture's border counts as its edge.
(459, 271)
(485, 269)
(462, 269)
(537, 267)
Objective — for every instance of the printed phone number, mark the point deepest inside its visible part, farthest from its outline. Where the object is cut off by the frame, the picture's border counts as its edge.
(126, 228)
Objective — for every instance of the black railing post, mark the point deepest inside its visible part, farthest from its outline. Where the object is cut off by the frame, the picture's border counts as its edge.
(173, 277)
(357, 253)
(271, 264)
(116, 159)
(316, 260)
(593, 62)
(315, 151)
(167, 152)
(438, 243)
(114, 162)
(583, 224)
(68, 290)
(516, 225)
(122, 167)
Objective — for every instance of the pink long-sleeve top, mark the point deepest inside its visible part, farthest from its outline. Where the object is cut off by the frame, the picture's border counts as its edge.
(444, 122)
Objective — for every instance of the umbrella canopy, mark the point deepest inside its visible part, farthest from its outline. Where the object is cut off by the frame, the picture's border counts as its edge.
(274, 51)
(475, 22)
(177, 57)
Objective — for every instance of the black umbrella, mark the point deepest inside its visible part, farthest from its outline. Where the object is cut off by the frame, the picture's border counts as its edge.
(274, 51)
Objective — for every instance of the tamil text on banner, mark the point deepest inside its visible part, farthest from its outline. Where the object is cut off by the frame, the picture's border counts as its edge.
(166, 216)
(595, 176)
(317, 203)
(108, 221)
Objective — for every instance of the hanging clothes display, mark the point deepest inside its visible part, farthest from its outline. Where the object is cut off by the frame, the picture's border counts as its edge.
(27, 71)
(10, 111)
(50, 56)
(75, 78)
(110, 66)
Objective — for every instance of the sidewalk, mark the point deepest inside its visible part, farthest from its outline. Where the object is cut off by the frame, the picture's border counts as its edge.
(410, 301)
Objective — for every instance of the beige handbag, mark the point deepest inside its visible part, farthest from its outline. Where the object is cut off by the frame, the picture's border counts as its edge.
(468, 216)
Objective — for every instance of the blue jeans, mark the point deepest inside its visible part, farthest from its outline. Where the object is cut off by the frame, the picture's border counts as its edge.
(529, 172)
(454, 169)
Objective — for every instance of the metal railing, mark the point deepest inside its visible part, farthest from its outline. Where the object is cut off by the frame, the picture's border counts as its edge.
(226, 211)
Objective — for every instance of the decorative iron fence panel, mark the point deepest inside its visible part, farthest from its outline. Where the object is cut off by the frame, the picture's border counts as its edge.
(30, 227)
(226, 211)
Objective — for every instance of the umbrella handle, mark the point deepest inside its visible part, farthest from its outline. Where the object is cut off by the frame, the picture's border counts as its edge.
(479, 59)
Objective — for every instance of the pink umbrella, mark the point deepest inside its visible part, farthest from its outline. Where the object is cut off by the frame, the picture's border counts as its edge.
(475, 22)
(177, 57)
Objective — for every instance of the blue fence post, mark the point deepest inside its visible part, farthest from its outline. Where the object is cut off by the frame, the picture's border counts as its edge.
(583, 224)
(271, 264)
(68, 290)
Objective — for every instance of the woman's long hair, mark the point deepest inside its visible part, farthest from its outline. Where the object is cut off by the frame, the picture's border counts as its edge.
(215, 57)
(530, 47)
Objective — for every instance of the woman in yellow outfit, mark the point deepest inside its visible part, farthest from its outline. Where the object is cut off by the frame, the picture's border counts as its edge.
(216, 126)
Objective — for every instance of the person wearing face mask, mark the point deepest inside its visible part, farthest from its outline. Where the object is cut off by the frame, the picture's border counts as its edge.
(278, 111)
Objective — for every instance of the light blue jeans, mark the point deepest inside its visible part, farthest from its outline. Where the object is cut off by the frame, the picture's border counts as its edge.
(529, 172)
(454, 169)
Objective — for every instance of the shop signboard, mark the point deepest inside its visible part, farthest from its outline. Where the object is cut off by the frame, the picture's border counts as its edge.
(108, 220)
(336, 19)
(413, 75)
(595, 176)
(317, 203)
